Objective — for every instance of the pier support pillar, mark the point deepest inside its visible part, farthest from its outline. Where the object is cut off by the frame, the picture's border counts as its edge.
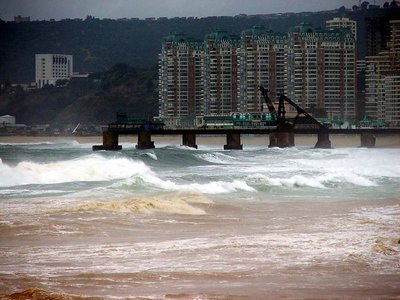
(368, 140)
(189, 140)
(281, 139)
(233, 142)
(110, 142)
(144, 140)
(323, 141)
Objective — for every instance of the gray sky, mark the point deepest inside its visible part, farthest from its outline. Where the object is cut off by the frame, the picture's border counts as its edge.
(60, 9)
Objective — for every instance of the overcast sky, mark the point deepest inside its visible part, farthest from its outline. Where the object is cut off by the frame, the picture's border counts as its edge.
(60, 9)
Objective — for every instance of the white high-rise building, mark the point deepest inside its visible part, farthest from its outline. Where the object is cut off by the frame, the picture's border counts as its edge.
(180, 79)
(383, 81)
(322, 70)
(337, 23)
(392, 99)
(52, 67)
(220, 73)
(263, 61)
(223, 73)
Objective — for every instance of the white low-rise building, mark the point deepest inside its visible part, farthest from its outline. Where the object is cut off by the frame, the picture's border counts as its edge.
(52, 67)
(7, 120)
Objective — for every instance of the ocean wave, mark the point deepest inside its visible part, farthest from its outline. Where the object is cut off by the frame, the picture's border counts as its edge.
(318, 181)
(22, 192)
(166, 203)
(218, 158)
(97, 168)
(214, 187)
(89, 168)
(370, 163)
(45, 144)
(152, 155)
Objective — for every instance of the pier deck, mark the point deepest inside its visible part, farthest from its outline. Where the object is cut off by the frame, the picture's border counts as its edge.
(279, 138)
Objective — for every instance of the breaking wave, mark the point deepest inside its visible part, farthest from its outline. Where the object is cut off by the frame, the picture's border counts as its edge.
(166, 203)
(321, 181)
(89, 168)
(98, 168)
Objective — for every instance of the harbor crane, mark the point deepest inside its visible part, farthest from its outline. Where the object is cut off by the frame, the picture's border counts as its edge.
(283, 122)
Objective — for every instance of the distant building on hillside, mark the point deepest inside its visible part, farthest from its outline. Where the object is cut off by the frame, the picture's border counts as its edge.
(7, 120)
(378, 34)
(322, 70)
(21, 19)
(383, 81)
(337, 23)
(262, 61)
(223, 73)
(52, 67)
(180, 78)
(220, 73)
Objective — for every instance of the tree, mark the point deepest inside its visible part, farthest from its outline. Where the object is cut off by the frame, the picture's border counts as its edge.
(342, 10)
(394, 4)
(386, 5)
(364, 5)
(61, 82)
(5, 87)
(19, 94)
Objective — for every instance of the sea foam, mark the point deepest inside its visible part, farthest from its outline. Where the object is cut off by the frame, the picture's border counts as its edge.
(89, 168)
(175, 203)
(97, 168)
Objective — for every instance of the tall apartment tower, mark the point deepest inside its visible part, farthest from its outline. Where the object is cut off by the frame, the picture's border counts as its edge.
(220, 73)
(180, 78)
(383, 80)
(322, 70)
(52, 67)
(337, 23)
(263, 61)
(378, 32)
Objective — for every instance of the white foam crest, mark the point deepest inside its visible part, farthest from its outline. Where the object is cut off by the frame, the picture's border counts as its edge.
(297, 180)
(372, 163)
(43, 143)
(152, 155)
(218, 158)
(311, 181)
(214, 187)
(188, 148)
(350, 177)
(220, 187)
(89, 168)
(19, 192)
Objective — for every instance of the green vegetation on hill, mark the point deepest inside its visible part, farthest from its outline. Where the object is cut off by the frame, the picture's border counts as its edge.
(94, 100)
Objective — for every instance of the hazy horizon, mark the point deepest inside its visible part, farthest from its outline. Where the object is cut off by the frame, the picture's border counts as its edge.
(59, 9)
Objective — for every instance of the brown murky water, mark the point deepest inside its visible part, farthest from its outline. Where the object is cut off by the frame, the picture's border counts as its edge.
(205, 224)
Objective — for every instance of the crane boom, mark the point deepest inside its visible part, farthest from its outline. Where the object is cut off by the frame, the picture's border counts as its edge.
(268, 101)
(280, 115)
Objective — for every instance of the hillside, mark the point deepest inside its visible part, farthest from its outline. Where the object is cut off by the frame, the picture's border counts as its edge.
(90, 101)
(99, 44)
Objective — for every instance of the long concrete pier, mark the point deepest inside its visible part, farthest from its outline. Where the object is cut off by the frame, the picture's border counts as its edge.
(280, 138)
